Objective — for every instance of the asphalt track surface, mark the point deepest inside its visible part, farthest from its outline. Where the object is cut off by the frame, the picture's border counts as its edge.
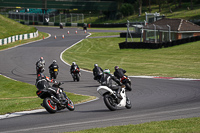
(152, 99)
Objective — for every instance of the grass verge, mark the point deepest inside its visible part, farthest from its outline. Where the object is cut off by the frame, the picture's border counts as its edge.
(190, 125)
(18, 96)
(179, 61)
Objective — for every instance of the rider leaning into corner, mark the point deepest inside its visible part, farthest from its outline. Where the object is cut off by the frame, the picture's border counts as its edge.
(110, 81)
(97, 71)
(119, 72)
(42, 82)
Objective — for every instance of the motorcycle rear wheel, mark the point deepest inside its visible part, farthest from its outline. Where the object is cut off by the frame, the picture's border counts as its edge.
(110, 102)
(70, 105)
(49, 105)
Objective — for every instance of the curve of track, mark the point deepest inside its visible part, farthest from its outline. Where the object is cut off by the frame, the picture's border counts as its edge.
(152, 99)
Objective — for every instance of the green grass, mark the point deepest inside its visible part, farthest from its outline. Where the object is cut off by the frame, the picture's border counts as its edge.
(178, 61)
(190, 125)
(9, 28)
(18, 96)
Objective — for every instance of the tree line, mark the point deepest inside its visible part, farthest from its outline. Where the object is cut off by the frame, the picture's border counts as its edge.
(129, 7)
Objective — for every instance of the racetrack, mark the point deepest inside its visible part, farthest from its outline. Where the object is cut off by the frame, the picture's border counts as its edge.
(152, 99)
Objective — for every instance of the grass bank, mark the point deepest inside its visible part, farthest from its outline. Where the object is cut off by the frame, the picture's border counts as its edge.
(18, 96)
(9, 28)
(179, 61)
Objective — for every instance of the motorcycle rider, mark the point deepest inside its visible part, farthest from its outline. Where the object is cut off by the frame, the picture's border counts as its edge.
(73, 67)
(97, 71)
(53, 66)
(119, 72)
(42, 82)
(107, 80)
(40, 64)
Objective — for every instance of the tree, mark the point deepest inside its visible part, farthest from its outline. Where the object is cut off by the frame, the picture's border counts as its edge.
(140, 7)
(180, 4)
(150, 6)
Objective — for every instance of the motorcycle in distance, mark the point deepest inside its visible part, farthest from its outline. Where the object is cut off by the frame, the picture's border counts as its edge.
(51, 103)
(54, 72)
(76, 74)
(111, 100)
(127, 82)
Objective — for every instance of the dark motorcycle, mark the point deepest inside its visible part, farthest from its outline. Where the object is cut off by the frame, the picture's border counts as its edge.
(76, 74)
(53, 104)
(127, 82)
(98, 77)
(53, 72)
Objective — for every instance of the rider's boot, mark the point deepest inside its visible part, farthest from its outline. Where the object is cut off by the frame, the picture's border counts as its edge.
(118, 94)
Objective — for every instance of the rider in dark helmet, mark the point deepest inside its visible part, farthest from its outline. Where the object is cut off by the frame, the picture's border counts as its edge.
(40, 64)
(97, 72)
(53, 66)
(42, 82)
(107, 80)
(119, 72)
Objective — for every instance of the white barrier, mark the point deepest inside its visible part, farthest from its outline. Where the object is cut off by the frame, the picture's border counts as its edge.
(18, 37)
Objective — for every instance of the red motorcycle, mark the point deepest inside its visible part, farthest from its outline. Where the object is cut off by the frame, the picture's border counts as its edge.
(127, 82)
(76, 74)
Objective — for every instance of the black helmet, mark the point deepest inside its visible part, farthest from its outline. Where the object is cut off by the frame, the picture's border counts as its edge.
(116, 67)
(95, 65)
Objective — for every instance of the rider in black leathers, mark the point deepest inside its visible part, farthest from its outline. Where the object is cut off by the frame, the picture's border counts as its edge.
(107, 80)
(119, 72)
(73, 67)
(97, 72)
(53, 66)
(42, 82)
(40, 64)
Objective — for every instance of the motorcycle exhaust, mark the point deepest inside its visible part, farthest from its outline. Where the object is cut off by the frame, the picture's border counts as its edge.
(55, 99)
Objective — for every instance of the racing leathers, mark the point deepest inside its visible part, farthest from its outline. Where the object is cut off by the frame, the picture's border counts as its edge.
(42, 82)
(97, 72)
(119, 73)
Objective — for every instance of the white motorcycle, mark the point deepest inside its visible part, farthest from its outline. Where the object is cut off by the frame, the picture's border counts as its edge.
(111, 99)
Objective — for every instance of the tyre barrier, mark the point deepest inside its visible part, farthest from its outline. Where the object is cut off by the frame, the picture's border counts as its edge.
(145, 45)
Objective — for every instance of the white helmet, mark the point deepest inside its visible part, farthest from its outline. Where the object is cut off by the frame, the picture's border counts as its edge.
(95, 65)
(54, 61)
(106, 71)
(73, 63)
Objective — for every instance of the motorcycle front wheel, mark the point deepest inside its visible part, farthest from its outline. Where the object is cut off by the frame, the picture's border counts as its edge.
(49, 105)
(70, 105)
(128, 103)
(77, 77)
(128, 86)
(110, 102)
